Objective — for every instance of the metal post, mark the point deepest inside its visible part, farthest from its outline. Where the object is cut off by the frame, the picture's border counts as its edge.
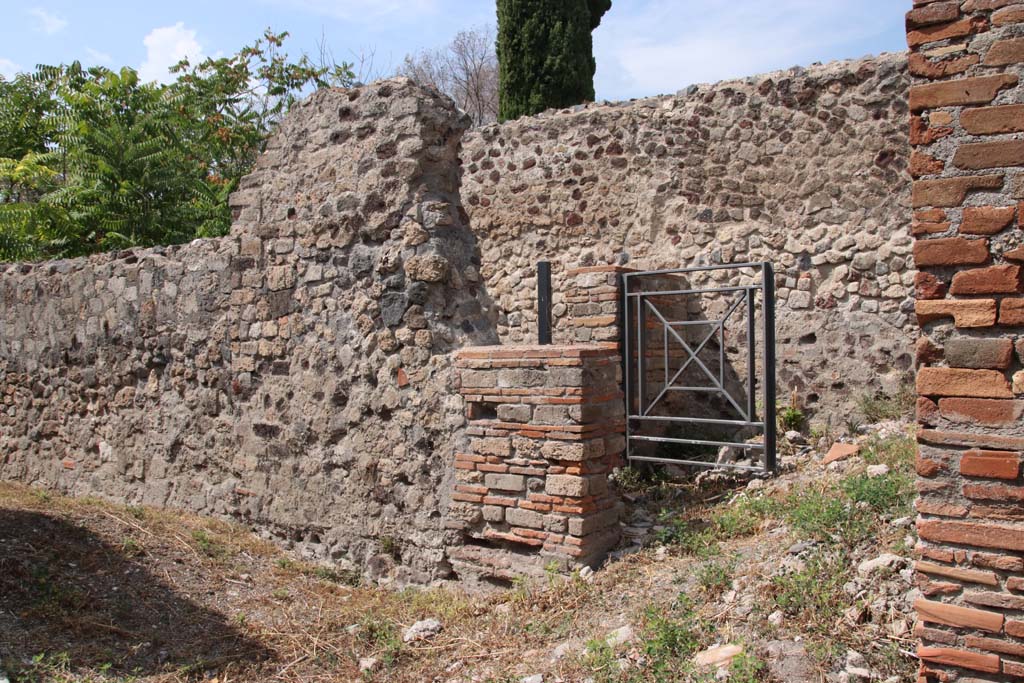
(544, 303)
(769, 367)
(751, 356)
(641, 355)
(627, 360)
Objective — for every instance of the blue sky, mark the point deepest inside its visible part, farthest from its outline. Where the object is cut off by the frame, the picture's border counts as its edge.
(643, 47)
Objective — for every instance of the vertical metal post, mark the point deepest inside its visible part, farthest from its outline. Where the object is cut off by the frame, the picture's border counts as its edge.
(544, 303)
(769, 367)
(627, 360)
(641, 355)
(752, 355)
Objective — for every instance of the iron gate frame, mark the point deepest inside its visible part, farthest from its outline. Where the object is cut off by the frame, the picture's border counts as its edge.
(767, 425)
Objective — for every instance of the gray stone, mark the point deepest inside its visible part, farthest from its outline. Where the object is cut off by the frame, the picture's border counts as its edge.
(422, 630)
(505, 482)
(392, 308)
(964, 352)
(788, 661)
(883, 561)
(620, 636)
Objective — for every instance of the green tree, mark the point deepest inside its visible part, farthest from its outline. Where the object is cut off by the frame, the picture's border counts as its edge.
(94, 159)
(546, 54)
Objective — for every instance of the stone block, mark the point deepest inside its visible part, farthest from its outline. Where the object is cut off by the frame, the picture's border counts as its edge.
(524, 518)
(975, 353)
(566, 485)
(494, 513)
(964, 91)
(552, 415)
(505, 482)
(952, 251)
(514, 412)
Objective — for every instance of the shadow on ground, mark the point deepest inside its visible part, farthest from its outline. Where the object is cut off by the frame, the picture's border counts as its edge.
(86, 604)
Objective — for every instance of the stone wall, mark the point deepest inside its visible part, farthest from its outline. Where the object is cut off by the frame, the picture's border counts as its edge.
(298, 375)
(295, 375)
(967, 117)
(804, 168)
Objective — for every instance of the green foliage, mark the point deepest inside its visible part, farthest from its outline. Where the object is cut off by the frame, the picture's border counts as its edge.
(675, 632)
(715, 575)
(345, 577)
(898, 452)
(791, 418)
(743, 516)
(545, 54)
(814, 594)
(880, 406)
(890, 493)
(824, 516)
(208, 544)
(599, 660)
(93, 159)
(381, 635)
(634, 479)
(747, 668)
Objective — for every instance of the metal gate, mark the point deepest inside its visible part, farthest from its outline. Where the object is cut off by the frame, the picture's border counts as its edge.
(685, 402)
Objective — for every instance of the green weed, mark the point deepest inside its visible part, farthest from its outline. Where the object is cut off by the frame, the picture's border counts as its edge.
(814, 595)
(381, 635)
(890, 493)
(747, 668)
(208, 544)
(879, 406)
(715, 575)
(791, 418)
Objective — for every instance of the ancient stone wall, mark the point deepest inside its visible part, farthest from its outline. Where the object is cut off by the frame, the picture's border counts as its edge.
(295, 375)
(967, 120)
(804, 168)
(298, 375)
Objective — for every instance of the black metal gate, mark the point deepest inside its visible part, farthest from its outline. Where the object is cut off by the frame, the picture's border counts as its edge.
(686, 404)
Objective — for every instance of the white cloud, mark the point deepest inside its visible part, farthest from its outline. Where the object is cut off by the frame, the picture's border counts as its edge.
(665, 45)
(363, 10)
(98, 57)
(165, 47)
(48, 22)
(8, 69)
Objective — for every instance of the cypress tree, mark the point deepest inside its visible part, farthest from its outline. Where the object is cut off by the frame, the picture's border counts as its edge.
(546, 54)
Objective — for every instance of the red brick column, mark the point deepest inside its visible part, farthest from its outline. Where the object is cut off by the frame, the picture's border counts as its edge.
(546, 425)
(967, 116)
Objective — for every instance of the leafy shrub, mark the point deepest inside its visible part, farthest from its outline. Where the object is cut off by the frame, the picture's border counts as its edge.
(93, 159)
(747, 668)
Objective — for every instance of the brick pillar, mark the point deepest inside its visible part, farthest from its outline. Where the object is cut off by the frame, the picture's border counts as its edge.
(546, 425)
(967, 116)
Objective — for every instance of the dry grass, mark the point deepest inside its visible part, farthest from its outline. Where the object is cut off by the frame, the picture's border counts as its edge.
(208, 598)
(100, 592)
